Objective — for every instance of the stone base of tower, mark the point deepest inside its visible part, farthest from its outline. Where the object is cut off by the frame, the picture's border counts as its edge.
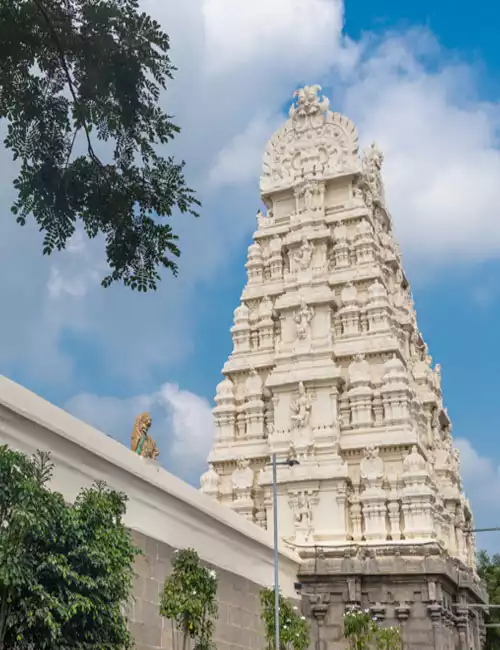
(424, 592)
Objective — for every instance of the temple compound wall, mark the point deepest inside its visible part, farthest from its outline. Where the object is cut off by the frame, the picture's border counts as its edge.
(329, 368)
(164, 514)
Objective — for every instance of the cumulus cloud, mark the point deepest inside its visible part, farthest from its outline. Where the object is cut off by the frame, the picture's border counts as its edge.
(239, 161)
(442, 162)
(182, 424)
(239, 34)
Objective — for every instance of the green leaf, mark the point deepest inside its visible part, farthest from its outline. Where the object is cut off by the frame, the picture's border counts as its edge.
(60, 564)
(83, 74)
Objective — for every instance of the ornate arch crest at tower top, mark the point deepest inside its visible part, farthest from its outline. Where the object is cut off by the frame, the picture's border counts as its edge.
(313, 143)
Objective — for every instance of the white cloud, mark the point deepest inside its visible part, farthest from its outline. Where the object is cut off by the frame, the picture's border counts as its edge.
(192, 427)
(239, 162)
(182, 424)
(481, 477)
(440, 143)
(282, 32)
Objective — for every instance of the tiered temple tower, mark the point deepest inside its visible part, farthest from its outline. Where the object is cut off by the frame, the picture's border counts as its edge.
(329, 367)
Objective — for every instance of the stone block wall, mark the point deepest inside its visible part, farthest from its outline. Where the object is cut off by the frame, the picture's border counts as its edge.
(238, 627)
(428, 597)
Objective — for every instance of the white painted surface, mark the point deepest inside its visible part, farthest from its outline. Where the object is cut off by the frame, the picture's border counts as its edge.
(160, 505)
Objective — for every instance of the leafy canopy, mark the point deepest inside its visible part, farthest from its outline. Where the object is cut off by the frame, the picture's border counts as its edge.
(363, 632)
(488, 569)
(294, 628)
(65, 571)
(189, 599)
(75, 74)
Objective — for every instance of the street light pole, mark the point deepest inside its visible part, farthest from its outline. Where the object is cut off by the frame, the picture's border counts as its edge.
(290, 462)
(276, 558)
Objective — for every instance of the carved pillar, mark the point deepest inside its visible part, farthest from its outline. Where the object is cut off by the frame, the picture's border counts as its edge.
(254, 407)
(395, 391)
(394, 511)
(402, 613)
(254, 266)
(418, 497)
(377, 309)
(224, 413)
(319, 604)
(360, 392)
(240, 331)
(349, 313)
(435, 613)
(242, 481)
(364, 245)
(275, 259)
(341, 256)
(373, 498)
(356, 516)
(462, 622)
(266, 325)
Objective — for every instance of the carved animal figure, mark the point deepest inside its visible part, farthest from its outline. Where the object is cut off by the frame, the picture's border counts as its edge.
(140, 440)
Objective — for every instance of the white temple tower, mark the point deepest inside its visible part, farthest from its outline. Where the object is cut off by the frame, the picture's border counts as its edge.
(329, 367)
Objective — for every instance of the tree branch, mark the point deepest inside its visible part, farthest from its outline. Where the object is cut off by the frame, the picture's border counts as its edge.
(64, 64)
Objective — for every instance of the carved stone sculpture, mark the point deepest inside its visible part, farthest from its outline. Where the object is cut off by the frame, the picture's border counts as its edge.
(301, 408)
(303, 255)
(303, 320)
(372, 166)
(140, 441)
(210, 481)
(414, 462)
(372, 466)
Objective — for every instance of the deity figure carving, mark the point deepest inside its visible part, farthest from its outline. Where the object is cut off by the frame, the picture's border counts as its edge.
(301, 408)
(372, 167)
(303, 511)
(309, 196)
(301, 505)
(303, 320)
(455, 461)
(437, 377)
(140, 440)
(308, 102)
(303, 255)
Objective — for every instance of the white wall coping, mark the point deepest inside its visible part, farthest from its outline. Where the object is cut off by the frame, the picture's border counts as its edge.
(160, 505)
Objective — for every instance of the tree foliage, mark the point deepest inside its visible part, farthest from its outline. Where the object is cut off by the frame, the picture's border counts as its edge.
(363, 631)
(488, 569)
(65, 571)
(294, 628)
(74, 73)
(189, 599)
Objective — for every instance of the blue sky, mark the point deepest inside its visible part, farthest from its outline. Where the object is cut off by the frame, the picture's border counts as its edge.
(421, 79)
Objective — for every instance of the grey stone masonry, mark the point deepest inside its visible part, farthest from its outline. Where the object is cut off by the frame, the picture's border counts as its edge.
(425, 593)
(238, 627)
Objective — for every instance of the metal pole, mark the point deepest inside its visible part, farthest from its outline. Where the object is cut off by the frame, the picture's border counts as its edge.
(276, 558)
